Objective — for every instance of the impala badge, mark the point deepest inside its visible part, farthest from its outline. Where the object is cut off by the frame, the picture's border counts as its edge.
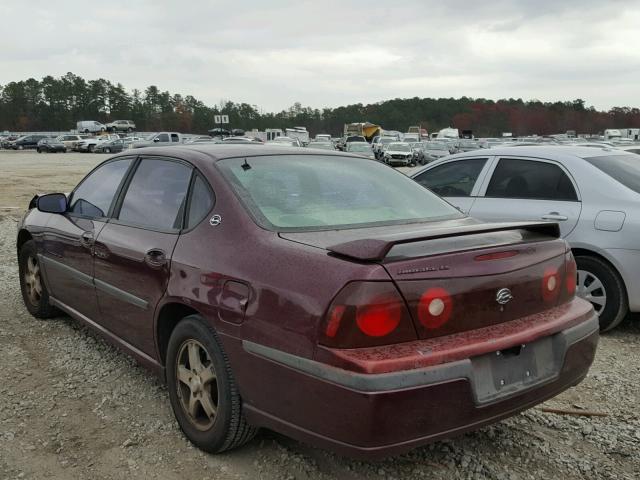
(504, 296)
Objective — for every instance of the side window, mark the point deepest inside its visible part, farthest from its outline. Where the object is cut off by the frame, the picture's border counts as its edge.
(453, 179)
(174, 137)
(93, 197)
(163, 137)
(530, 179)
(200, 203)
(156, 196)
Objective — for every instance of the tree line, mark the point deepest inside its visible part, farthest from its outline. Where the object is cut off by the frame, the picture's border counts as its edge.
(56, 104)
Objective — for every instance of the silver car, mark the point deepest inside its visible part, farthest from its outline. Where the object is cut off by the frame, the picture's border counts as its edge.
(593, 194)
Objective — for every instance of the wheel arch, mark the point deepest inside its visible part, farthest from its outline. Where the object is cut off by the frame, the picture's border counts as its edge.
(168, 316)
(23, 237)
(585, 252)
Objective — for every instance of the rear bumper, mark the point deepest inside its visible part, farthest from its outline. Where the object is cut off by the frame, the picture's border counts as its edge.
(373, 415)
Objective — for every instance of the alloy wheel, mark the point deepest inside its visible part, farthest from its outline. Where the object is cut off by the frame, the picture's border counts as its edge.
(591, 289)
(32, 281)
(197, 385)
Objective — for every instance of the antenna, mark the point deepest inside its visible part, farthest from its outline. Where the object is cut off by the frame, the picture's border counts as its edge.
(246, 166)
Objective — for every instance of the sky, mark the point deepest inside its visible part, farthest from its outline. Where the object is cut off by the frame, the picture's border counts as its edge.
(331, 53)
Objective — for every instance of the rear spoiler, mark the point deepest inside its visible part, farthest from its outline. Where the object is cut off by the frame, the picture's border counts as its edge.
(376, 249)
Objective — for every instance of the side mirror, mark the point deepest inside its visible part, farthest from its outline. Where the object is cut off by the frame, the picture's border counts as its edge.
(156, 139)
(52, 203)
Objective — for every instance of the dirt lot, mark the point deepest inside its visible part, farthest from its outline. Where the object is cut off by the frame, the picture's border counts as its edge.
(73, 407)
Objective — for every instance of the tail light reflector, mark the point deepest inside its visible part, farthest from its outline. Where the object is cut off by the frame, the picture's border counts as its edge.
(550, 285)
(435, 307)
(366, 314)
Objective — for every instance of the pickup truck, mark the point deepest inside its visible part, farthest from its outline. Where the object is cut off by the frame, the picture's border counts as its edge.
(160, 139)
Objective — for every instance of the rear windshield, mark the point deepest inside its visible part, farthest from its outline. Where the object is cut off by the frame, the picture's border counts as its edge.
(623, 168)
(316, 192)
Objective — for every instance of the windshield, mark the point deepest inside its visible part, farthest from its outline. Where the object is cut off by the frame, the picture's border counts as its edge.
(399, 147)
(437, 146)
(315, 192)
(623, 168)
(358, 147)
(387, 140)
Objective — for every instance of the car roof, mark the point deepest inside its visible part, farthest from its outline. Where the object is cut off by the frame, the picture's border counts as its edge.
(197, 152)
(566, 154)
(544, 150)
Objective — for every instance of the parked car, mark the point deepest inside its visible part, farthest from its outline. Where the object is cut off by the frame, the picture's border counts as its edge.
(160, 139)
(8, 140)
(381, 145)
(111, 146)
(420, 154)
(399, 153)
(70, 140)
(50, 145)
(121, 126)
(238, 140)
(285, 142)
(90, 126)
(90, 143)
(437, 149)
(360, 148)
(323, 137)
(322, 145)
(344, 305)
(593, 194)
(26, 142)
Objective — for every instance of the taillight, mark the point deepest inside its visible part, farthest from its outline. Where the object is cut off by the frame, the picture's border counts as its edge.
(366, 314)
(380, 318)
(570, 277)
(550, 285)
(434, 308)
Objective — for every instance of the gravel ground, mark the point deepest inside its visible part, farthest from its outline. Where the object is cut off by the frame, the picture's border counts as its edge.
(71, 406)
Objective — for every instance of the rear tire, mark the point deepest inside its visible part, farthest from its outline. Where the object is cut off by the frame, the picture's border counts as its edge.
(204, 385)
(601, 285)
(107, 150)
(34, 291)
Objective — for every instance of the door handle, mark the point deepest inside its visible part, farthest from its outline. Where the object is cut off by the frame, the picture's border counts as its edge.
(87, 239)
(155, 258)
(555, 216)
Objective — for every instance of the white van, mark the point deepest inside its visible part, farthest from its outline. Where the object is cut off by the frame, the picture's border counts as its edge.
(90, 126)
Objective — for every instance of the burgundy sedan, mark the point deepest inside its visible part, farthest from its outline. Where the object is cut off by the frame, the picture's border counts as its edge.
(322, 295)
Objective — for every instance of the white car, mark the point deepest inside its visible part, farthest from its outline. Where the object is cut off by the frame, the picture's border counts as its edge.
(593, 194)
(399, 153)
(90, 126)
(89, 144)
(360, 148)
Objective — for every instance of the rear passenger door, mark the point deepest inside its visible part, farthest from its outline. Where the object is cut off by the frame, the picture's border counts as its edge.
(529, 189)
(458, 181)
(133, 251)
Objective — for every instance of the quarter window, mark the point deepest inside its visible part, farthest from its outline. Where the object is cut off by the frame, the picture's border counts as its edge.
(531, 179)
(93, 197)
(156, 196)
(200, 203)
(453, 179)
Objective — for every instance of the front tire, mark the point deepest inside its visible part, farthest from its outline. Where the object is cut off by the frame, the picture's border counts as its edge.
(34, 291)
(107, 150)
(202, 390)
(601, 285)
